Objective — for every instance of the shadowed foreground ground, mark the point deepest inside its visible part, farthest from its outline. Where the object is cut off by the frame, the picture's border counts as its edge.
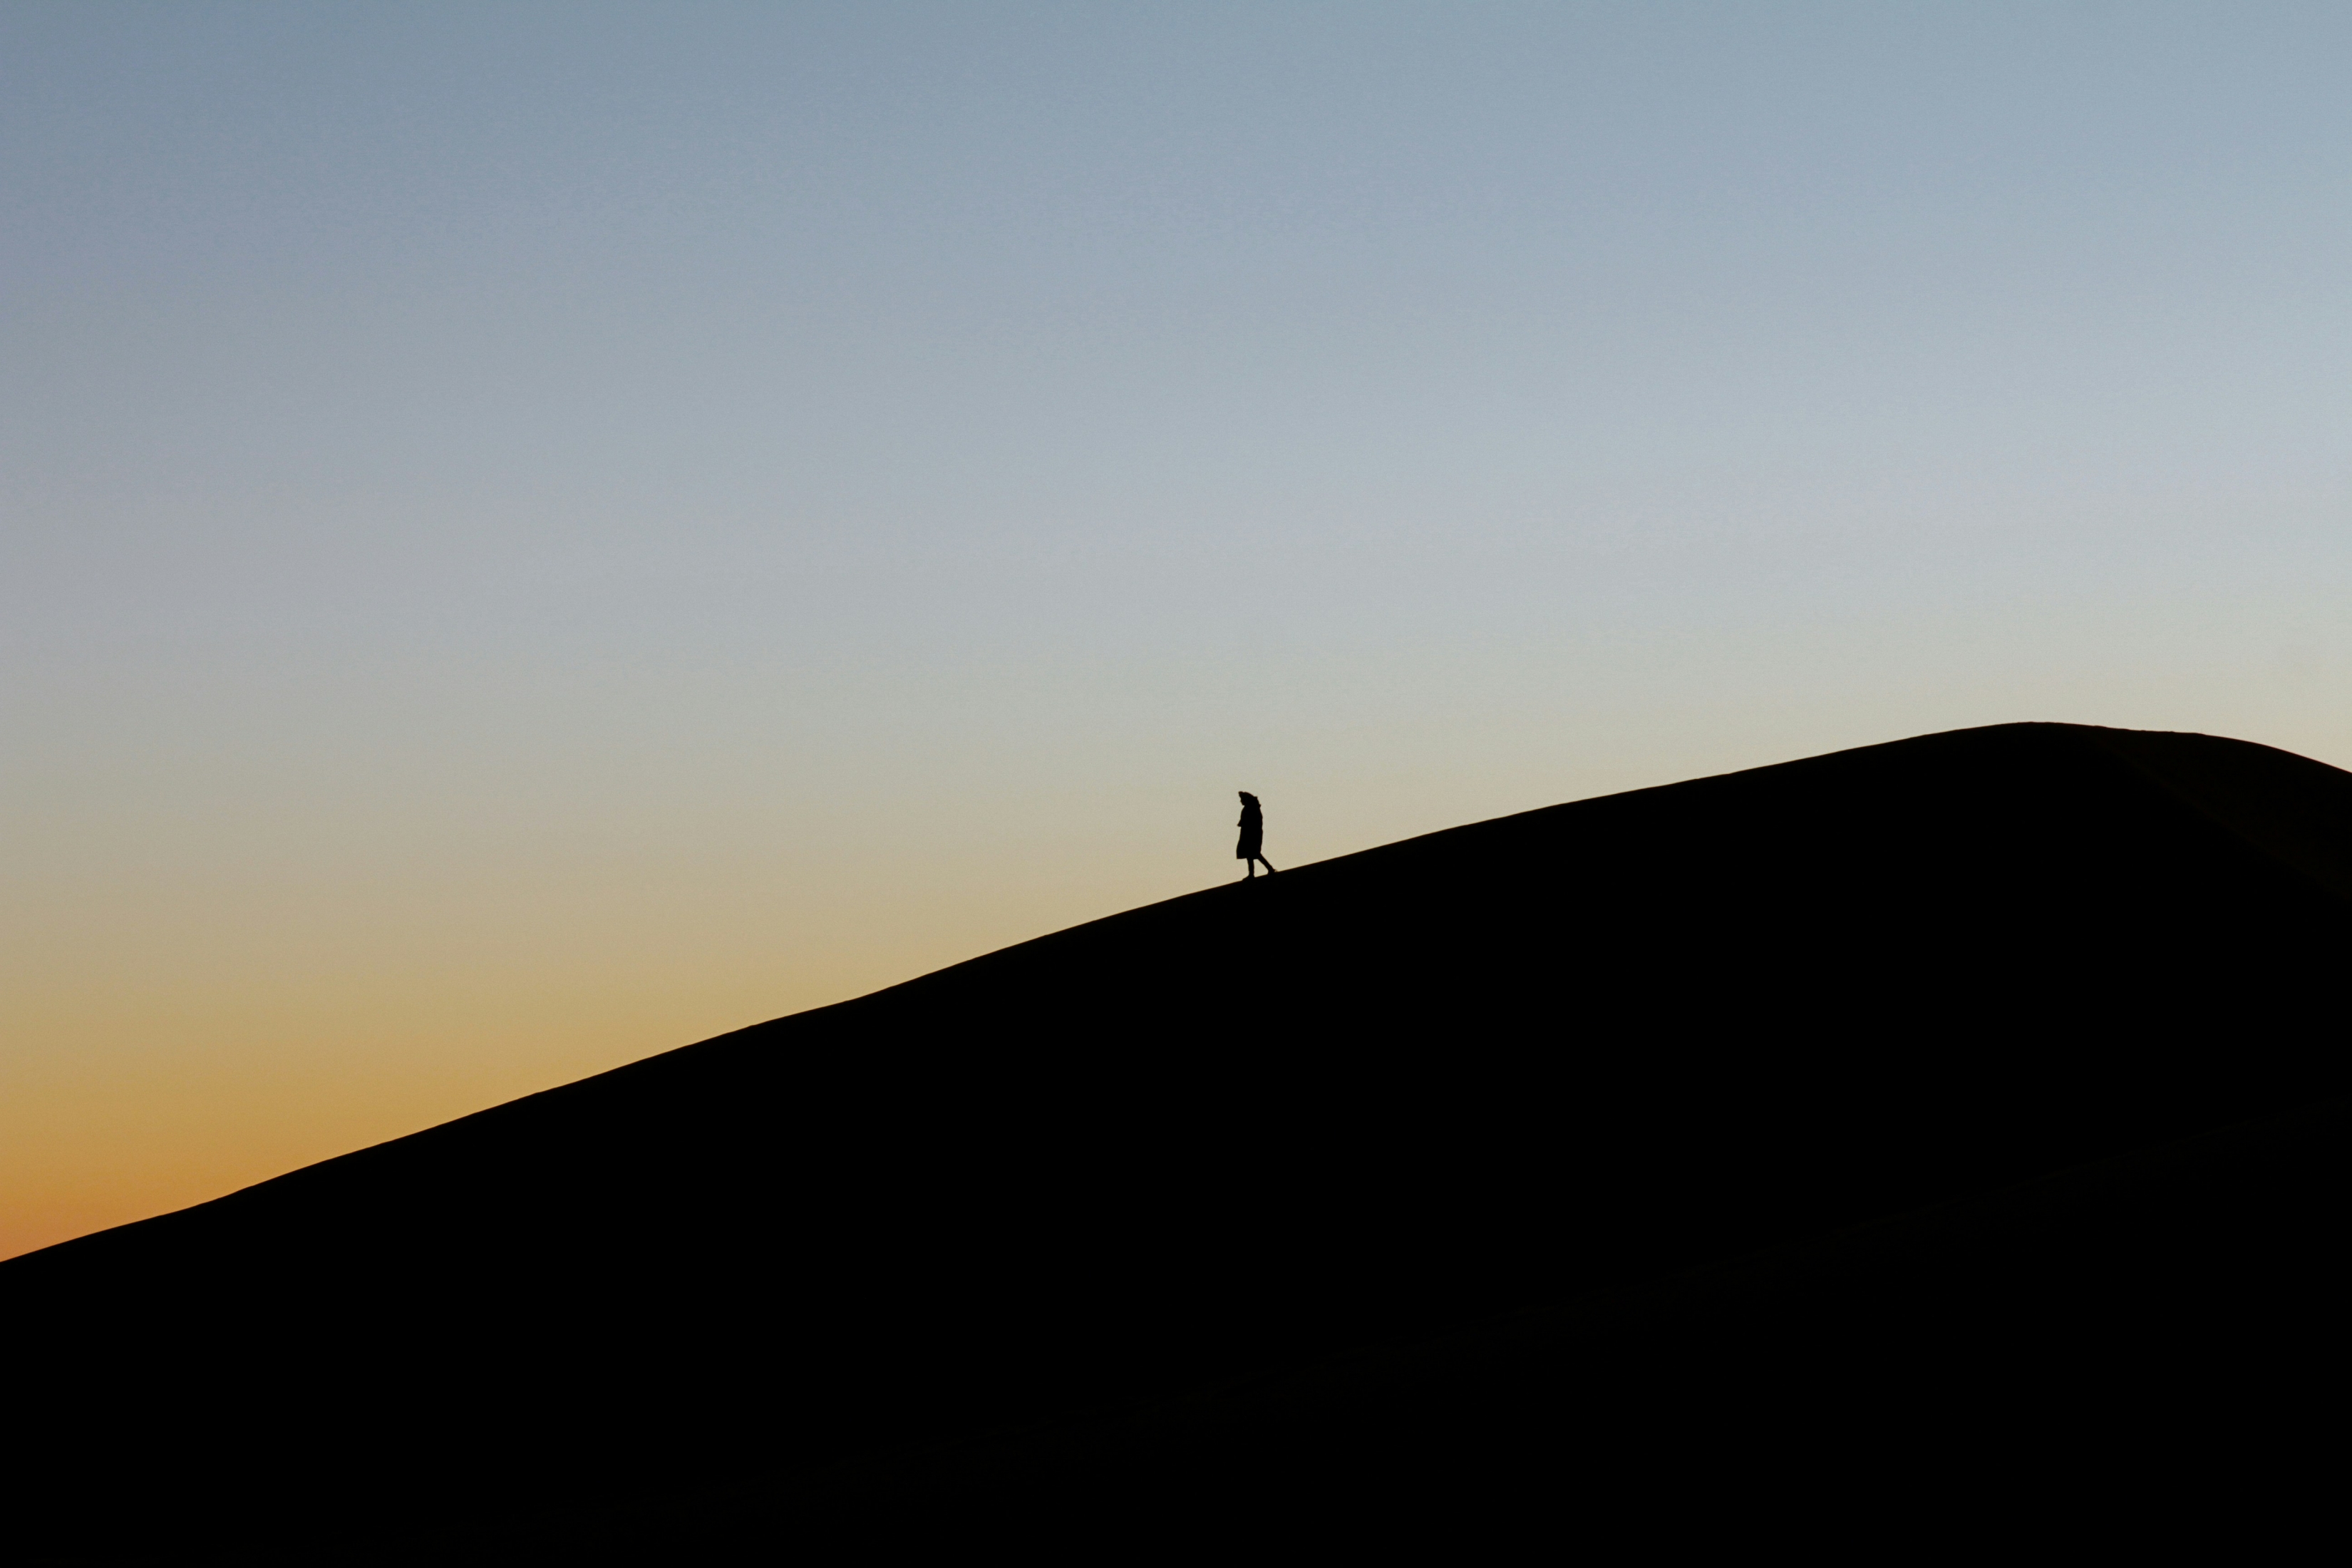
(1955, 1120)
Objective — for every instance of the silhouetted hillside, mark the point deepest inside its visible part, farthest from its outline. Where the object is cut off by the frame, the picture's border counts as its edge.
(1338, 1176)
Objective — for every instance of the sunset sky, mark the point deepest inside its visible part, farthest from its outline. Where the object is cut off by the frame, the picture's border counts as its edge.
(532, 535)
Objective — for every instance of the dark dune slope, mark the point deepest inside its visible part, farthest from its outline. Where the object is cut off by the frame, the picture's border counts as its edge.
(1374, 1100)
(2124, 1350)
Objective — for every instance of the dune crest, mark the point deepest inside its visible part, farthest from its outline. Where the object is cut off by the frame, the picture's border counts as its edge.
(1476, 1101)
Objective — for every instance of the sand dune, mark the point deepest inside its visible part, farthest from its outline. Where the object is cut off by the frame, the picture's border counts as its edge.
(1415, 1175)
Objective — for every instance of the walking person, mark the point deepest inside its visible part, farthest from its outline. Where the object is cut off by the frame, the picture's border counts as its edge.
(1253, 837)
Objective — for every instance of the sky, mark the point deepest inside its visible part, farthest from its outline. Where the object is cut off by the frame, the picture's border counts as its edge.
(534, 534)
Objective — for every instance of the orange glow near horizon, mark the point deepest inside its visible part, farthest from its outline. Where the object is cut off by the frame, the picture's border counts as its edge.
(163, 1061)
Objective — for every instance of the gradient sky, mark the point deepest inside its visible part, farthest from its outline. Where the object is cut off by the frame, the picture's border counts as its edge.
(531, 534)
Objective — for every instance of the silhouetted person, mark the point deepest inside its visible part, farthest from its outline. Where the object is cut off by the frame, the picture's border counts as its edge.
(1253, 837)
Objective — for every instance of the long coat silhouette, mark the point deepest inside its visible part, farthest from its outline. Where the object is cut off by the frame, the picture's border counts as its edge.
(1253, 836)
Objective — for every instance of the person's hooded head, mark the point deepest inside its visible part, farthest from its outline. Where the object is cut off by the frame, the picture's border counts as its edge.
(1247, 798)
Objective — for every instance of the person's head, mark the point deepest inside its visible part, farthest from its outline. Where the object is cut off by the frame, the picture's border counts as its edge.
(1248, 799)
